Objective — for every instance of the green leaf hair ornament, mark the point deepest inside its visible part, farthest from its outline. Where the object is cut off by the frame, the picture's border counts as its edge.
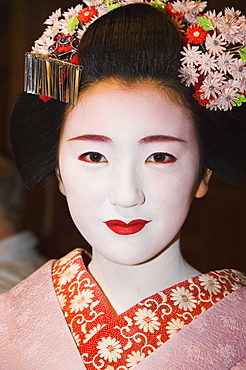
(205, 23)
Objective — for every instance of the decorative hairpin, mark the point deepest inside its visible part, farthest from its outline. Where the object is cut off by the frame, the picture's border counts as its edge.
(213, 59)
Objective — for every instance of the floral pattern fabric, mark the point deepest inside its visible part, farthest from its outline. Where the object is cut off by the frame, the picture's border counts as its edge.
(109, 341)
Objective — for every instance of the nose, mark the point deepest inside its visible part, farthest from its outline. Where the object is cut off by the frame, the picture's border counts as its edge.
(126, 190)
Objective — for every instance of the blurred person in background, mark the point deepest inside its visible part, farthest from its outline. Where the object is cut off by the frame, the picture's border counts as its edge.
(19, 255)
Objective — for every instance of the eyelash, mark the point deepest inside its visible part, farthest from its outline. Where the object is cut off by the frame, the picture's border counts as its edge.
(161, 158)
(95, 157)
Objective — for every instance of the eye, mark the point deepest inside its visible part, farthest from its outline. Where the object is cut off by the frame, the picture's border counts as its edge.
(92, 157)
(161, 158)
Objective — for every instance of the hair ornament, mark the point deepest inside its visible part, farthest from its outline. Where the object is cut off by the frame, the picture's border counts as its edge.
(213, 59)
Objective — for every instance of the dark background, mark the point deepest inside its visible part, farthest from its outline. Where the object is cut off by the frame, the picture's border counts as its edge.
(214, 234)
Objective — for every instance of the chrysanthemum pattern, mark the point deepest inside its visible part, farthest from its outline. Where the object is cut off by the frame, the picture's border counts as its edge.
(174, 326)
(220, 39)
(218, 43)
(107, 341)
(134, 358)
(146, 320)
(183, 298)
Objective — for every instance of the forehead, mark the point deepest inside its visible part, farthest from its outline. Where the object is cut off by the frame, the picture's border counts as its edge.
(143, 108)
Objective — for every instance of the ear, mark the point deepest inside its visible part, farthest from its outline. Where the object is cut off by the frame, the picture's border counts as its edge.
(61, 186)
(202, 187)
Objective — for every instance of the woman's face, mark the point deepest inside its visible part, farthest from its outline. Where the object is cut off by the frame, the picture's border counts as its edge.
(129, 162)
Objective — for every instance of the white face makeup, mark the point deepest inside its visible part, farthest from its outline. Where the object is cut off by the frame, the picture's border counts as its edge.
(129, 162)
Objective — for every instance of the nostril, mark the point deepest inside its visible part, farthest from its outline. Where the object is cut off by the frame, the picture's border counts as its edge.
(126, 196)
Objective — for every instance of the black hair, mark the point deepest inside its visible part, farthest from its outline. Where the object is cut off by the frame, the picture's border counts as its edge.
(34, 133)
(136, 42)
(132, 43)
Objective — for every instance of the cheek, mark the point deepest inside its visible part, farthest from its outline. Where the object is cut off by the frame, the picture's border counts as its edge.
(82, 192)
(173, 200)
(85, 193)
(173, 193)
(179, 179)
(83, 202)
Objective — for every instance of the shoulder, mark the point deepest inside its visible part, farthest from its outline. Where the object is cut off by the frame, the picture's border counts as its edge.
(26, 295)
(33, 331)
(214, 340)
(19, 309)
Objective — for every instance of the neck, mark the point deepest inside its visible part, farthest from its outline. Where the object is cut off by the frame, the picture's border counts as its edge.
(125, 286)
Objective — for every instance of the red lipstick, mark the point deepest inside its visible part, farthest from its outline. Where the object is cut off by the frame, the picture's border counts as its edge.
(121, 228)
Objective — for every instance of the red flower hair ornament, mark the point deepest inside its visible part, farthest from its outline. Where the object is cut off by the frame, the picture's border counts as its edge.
(214, 52)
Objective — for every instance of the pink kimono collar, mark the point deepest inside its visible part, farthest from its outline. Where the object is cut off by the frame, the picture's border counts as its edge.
(34, 334)
(107, 341)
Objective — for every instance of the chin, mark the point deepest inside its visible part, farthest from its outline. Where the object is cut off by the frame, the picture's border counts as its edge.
(130, 259)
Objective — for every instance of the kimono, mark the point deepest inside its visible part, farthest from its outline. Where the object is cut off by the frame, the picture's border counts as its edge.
(19, 257)
(58, 318)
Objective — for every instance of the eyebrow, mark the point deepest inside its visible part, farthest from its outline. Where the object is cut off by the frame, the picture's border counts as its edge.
(145, 140)
(98, 138)
(158, 138)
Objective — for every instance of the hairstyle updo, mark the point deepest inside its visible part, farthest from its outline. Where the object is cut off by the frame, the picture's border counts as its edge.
(133, 43)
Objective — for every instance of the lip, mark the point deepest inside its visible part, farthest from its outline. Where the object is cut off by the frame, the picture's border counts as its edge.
(121, 228)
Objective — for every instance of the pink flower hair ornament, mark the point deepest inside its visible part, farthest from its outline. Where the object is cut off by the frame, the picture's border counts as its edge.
(213, 59)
